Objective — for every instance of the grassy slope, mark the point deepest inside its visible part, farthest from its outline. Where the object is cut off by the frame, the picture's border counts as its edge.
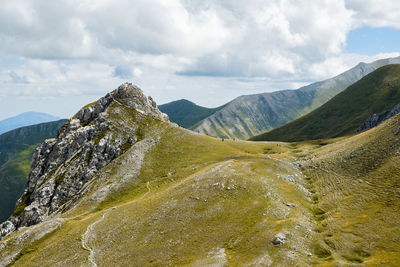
(344, 113)
(356, 183)
(16, 149)
(13, 180)
(179, 211)
(186, 113)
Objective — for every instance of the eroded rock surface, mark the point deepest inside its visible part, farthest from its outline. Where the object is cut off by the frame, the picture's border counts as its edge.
(377, 119)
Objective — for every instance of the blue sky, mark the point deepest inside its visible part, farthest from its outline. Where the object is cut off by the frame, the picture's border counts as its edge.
(57, 56)
(371, 41)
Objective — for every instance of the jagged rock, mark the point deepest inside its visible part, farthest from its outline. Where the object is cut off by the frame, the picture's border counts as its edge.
(279, 239)
(6, 227)
(377, 119)
(61, 167)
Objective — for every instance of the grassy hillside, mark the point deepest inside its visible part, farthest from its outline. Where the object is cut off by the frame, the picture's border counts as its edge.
(198, 201)
(16, 149)
(186, 113)
(344, 114)
(355, 183)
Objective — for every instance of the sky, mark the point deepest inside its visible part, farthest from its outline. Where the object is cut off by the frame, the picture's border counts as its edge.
(57, 56)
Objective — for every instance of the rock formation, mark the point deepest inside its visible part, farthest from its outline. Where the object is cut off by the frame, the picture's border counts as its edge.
(63, 166)
(377, 119)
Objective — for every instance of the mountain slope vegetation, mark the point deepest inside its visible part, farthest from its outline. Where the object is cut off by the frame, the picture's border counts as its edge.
(16, 150)
(186, 113)
(25, 119)
(346, 112)
(250, 115)
(175, 197)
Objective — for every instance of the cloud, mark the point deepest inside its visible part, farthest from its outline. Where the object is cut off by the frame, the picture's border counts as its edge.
(199, 38)
(333, 66)
(375, 13)
(214, 48)
(15, 78)
(123, 72)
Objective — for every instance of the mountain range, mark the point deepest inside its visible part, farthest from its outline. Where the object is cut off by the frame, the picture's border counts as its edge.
(25, 119)
(250, 115)
(120, 184)
(346, 112)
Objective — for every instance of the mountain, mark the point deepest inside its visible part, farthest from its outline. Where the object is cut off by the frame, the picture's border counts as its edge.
(25, 119)
(122, 185)
(186, 113)
(346, 112)
(250, 115)
(16, 149)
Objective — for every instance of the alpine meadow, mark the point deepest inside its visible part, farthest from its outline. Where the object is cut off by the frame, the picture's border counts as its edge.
(271, 136)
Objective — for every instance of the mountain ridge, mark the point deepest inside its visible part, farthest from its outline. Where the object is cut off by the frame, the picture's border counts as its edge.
(249, 115)
(347, 111)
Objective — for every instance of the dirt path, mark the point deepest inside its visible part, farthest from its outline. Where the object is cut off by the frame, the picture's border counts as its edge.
(88, 234)
(90, 231)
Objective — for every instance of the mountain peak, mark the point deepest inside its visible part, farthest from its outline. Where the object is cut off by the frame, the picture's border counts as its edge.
(133, 97)
(63, 167)
(126, 94)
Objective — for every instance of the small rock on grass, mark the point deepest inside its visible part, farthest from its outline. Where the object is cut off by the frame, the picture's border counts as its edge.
(279, 239)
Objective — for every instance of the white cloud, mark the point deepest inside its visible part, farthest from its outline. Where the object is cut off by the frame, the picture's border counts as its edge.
(383, 13)
(333, 66)
(208, 50)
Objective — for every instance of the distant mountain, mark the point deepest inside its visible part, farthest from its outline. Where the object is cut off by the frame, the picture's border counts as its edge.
(250, 115)
(25, 119)
(16, 149)
(186, 113)
(346, 112)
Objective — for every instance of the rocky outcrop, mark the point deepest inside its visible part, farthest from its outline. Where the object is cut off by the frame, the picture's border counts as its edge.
(377, 119)
(63, 166)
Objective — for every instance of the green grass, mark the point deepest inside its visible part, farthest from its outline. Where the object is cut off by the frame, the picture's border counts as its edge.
(178, 210)
(13, 181)
(346, 112)
(182, 167)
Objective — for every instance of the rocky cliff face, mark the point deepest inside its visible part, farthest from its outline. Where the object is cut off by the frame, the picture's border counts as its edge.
(62, 167)
(377, 119)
